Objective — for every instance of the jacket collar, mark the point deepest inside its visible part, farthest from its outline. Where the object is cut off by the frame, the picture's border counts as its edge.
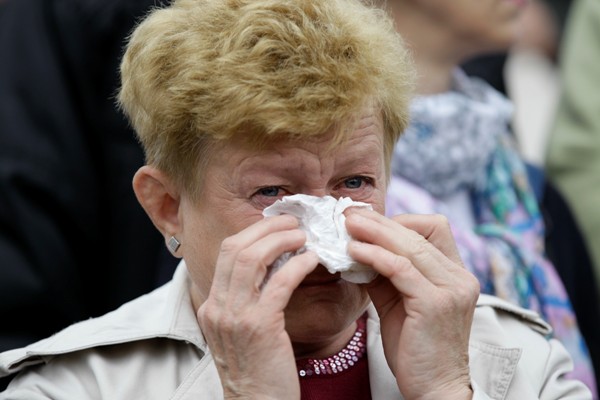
(172, 317)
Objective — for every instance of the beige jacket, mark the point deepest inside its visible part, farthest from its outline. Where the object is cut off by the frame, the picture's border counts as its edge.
(152, 348)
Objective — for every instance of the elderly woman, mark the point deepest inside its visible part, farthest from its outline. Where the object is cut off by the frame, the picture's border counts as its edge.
(240, 104)
(457, 158)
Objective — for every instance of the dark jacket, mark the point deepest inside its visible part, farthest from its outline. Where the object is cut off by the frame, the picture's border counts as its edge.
(74, 242)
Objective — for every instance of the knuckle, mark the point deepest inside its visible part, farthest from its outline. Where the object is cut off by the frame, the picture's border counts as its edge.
(420, 247)
(208, 315)
(474, 282)
(475, 287)
(399, 265)
(468, 289)
(440, 220)
(229, 245)
(247, 257)
(469, 281)
(226, 323)
(216, 319)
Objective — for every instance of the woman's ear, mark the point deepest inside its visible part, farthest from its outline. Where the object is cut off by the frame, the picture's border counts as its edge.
(159, 198)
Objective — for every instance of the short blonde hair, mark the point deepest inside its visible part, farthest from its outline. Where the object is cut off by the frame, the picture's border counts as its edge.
(201, 71)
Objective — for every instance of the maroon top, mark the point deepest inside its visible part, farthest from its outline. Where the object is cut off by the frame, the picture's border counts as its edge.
(351, 384)
(344, 375)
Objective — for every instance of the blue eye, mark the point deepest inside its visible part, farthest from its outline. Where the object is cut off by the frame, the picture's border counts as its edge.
(354, 182)
(270, 191)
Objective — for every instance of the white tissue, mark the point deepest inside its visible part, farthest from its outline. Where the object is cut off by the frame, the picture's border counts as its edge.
(323, 220)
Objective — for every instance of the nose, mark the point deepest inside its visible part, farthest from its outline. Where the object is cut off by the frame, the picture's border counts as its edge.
(321, 192)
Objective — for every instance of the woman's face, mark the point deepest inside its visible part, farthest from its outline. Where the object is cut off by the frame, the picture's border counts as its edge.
(485, 25)
(241, 182)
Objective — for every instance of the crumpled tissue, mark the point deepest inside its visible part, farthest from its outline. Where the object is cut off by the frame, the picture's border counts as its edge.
(323, 220)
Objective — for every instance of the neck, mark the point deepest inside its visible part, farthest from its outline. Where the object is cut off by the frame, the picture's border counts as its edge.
(433, 77)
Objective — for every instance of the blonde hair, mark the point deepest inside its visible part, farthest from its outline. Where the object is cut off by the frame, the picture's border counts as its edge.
(201, 71)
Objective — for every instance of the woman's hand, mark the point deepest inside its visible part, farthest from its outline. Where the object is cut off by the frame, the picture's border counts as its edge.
(242, 319)
(425, 299)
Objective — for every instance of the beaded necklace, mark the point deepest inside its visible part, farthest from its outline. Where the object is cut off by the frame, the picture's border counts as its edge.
(344, 359)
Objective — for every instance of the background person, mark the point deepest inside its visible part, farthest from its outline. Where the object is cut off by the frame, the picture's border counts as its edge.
(531, 70)
(458, 158)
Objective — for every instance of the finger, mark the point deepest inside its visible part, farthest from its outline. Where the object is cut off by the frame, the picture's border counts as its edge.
(461, 289)
(372, 227)
(251, 264)
(436, 229)
(231, 246)
(399, 270)
(278, 290)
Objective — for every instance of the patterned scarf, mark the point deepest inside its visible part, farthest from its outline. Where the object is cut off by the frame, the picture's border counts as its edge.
(460, 140)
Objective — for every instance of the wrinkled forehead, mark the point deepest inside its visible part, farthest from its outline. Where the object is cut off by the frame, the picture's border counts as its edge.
(363, 137)
(349, 131)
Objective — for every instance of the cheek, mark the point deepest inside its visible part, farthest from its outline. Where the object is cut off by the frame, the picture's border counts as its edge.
(204, 231)
(201, 245)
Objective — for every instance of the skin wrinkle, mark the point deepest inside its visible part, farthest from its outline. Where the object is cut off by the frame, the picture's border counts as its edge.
(233, 179)
(312, 161)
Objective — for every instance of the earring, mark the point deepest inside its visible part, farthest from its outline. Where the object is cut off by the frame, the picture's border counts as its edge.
(173, 244)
